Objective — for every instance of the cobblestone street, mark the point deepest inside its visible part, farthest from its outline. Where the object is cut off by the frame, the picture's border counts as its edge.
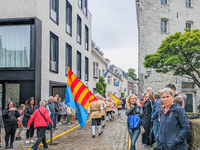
(114, 137)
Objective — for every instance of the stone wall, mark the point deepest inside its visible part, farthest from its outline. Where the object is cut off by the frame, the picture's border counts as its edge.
(195, 134)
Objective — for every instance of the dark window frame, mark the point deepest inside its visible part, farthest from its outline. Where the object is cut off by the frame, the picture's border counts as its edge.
(189, 25)
(78, 65)
(79, 29)
(23, 21)
(86, 69)
(52, 35)
(56, 10)
(68, 56)
(86, 38)
(69, 7)
(83, 6)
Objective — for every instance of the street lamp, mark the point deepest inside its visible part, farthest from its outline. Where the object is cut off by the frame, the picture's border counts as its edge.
(148, 74)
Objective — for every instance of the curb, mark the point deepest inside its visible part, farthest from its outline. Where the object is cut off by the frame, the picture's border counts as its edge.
(59, 135)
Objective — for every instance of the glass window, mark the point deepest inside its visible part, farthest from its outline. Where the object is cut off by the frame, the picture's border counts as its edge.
(78, 65)
(85, 7)
(80, 2)
(78, 29)
(54, 10)
(69, 18)
(163, 26)
(86, 69)
(188, 3)
(86, 38)
(53, 52)
(189, 25)
(95, 69)
(15, 46)
(68, 57)
(163, 1)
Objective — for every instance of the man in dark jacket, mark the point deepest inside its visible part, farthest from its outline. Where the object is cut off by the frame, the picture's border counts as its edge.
(52, 109)
(154, 118)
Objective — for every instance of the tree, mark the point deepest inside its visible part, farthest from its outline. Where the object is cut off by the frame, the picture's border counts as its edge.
(101, 86)
(131, 73)
(179, 53)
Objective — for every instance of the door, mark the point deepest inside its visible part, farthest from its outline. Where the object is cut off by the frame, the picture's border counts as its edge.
(1, 96)
(189, 103)
(12, 93)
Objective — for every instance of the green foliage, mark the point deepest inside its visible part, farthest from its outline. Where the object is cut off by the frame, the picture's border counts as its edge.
(131, 73)
(122, 94)
(179, 53)
(101, 86)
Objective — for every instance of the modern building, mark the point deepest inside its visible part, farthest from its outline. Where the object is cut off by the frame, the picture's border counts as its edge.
(156, 21)
(38, 39)
(99, 65)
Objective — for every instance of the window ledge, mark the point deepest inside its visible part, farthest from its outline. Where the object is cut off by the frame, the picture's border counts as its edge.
(165, 33)
(189, 7)
(165, 4)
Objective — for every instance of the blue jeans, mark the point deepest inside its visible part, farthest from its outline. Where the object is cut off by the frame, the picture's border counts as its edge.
(53, 118)
(156, 127)
(134, 134)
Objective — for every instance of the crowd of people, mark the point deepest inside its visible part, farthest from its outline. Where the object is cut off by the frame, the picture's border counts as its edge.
(30, 116)
(163, 119)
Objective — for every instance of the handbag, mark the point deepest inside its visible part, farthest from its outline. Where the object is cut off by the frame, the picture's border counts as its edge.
(48, 124)
(69, 112)
(142, 130)
(19, 125)
(134, 121)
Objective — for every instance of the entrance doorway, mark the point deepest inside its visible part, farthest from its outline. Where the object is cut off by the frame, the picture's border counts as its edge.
(9, 92)
(189, 103)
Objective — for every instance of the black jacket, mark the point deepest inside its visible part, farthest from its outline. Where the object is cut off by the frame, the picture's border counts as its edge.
(137, 110)
(28, 111)
(8, 118)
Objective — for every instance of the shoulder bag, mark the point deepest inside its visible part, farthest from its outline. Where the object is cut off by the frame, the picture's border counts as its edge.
(18, 122)
(48, 124)
(134, 121)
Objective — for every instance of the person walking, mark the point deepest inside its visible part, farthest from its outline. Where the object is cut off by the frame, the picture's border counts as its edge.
(154, 117)
(133, 108)
(21, 111)
(108, 110)
(10, 115)
(95, 108)
(174, 125)
(119, 106)
(41, 118)
(31, 106)
(147, 108)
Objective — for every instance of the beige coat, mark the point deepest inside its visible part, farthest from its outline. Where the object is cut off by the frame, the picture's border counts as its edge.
(119, 104)
(103, 112)
(95, 108)
(108, 106)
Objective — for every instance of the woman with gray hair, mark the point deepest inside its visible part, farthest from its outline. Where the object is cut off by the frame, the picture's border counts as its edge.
(41, 118)
(174, 125)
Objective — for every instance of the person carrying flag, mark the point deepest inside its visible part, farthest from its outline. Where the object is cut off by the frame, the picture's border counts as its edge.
(95, 109)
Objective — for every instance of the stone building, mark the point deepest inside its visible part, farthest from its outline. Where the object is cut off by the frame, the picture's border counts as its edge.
(157, 20)
(41, 38)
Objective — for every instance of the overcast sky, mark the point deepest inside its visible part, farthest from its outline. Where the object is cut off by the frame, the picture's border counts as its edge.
(114, 30)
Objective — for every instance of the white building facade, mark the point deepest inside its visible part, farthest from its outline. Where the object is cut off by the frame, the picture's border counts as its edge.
(156, 21)
(45, 37)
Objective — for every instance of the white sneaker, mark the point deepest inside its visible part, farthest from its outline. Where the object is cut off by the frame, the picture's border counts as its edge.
(59, 123)
(32, 141)
(27, 141)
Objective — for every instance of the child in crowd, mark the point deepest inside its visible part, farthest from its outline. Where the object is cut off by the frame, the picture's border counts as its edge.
(21, 111)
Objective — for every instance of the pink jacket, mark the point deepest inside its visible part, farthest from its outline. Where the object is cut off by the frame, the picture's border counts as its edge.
(21, 117)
